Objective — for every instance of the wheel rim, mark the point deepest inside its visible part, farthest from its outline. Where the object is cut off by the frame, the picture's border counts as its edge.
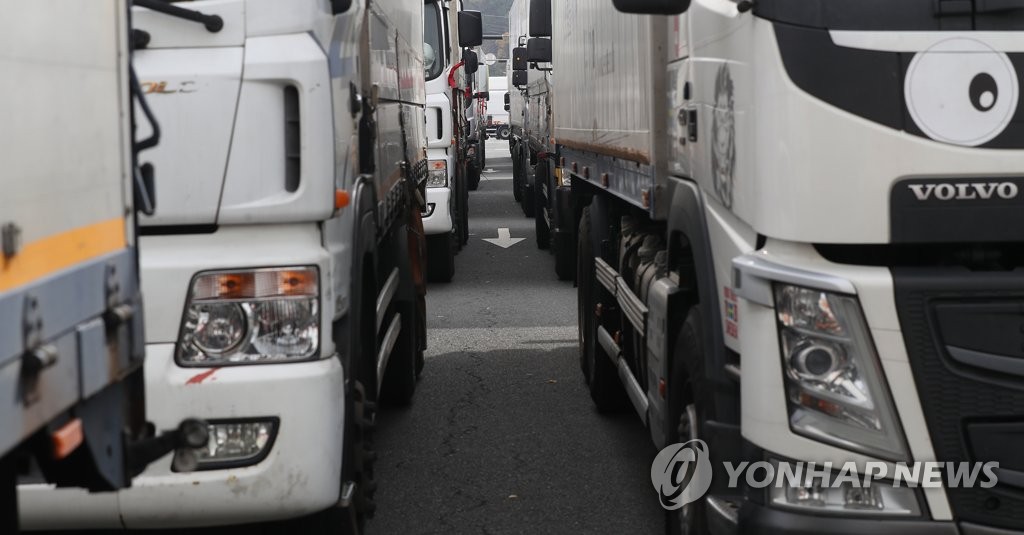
(688, 425)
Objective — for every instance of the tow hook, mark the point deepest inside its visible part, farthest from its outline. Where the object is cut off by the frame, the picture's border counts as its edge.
(192, 433)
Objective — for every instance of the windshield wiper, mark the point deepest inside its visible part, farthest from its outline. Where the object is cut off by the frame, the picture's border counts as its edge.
(213, 23)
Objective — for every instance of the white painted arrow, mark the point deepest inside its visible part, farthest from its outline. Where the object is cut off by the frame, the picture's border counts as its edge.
(504, 239)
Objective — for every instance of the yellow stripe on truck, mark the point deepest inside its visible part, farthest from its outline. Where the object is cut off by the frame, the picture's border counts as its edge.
(61, 251)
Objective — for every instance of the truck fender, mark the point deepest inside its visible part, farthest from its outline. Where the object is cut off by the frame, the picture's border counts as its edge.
(348, 329)
(688, 236)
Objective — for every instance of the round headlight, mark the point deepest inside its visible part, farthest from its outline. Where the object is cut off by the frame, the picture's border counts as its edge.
(817, 361)
(220, 327)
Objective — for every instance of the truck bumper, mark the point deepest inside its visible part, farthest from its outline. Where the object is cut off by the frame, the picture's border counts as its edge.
(439, 207)
(761, 520)
(300, 474)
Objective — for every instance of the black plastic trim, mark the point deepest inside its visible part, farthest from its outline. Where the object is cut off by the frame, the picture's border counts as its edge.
(175, 230)
(761, 520)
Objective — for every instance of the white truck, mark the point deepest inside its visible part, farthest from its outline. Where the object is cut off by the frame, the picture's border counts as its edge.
(800, 239)
(448, 32)
(477, 115)
(497, 115)
(71, 324)
(519, 146)
(281, 267)
(546, 192)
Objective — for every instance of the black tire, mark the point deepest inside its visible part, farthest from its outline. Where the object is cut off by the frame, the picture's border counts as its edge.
(602, 376)
(529, 199)
(474, 178)
(540, 224)
(687, 403)
(517, 175)
(502, 132)
(464, 212)
(584, 301)
(441, 257)
(565, 256)
(400, 377)
(358, 333)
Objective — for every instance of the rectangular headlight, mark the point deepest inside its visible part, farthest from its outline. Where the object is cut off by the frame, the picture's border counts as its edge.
(836, 392)
(235, 443)
(251, 317)
(877, 499)
(437, 174)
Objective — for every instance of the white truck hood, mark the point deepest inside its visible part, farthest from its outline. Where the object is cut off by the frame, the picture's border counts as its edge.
(191, 79)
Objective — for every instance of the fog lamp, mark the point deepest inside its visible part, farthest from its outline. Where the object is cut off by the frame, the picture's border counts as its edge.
(235, 443)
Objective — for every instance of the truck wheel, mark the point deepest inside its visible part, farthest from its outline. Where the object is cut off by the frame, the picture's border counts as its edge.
(687, 405)
(601, 375)
(540, 224)
(360, 417)
(565, 256)
(517, 176)
(529, 197)
(502, 132)
(465, 217)
(463, 196)
(400, 377)
(474, 177)
(441, 257)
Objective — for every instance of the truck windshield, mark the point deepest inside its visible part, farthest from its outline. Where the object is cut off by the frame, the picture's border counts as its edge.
(433, 50)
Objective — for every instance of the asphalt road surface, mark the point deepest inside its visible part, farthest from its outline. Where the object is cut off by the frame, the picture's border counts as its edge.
(502, 436)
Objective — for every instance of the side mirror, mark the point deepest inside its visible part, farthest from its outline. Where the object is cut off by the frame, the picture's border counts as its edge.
(651, 7)
(472, 61)
(508, 102)
(340, 6)
(520, 79)
(538, 50)
(471, 29)
(540, 18)
(519, 61)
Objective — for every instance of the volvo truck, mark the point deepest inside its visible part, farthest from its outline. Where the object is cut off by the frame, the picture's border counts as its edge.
(282, 264)
(799, 240)
(71, 320)
(449, 36)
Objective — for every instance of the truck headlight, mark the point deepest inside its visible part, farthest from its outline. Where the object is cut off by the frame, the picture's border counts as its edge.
(251, 317)
(835, 387)
(847, 499)
(437, 176)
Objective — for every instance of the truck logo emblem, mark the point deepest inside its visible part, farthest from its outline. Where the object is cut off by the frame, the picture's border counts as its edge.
(965, 191)
(165, 88)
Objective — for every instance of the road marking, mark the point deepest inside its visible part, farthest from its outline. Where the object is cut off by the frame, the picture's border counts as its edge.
(477, 339)
(504, 239)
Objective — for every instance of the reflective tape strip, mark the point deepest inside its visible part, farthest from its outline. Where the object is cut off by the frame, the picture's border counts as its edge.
(61, 251)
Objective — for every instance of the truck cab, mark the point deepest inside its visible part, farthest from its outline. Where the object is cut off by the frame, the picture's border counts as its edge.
(446, 217)
(282, 264)
(800, 242)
